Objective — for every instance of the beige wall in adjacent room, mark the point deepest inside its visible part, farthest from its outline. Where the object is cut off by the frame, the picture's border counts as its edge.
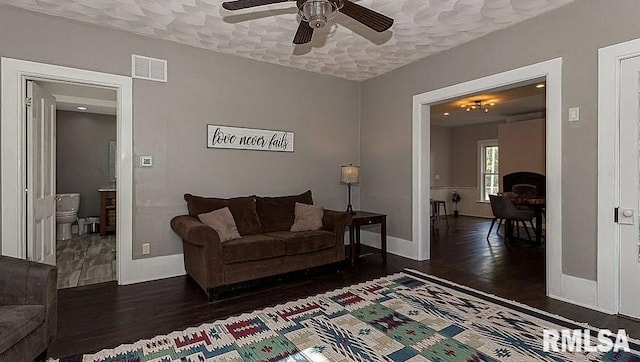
(82, 156)
(465, 152)
(522, 147)
(441, 160)
(204, 87)
(575, 33)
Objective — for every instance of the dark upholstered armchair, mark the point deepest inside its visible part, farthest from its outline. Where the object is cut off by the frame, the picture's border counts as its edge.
(28, 309)
(504, 209)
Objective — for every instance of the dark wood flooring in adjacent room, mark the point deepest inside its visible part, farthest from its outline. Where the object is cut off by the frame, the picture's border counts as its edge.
(106, 315)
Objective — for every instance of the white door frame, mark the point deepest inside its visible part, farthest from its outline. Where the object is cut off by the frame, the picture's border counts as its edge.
(609, 60)
(12, 137)
(552, 70)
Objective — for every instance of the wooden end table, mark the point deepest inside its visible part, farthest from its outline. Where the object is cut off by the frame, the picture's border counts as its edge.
(364, 218)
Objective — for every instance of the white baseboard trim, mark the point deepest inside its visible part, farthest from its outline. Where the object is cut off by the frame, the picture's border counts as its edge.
(579, 291)
(144, 270)
(580, 304)
(396, 246)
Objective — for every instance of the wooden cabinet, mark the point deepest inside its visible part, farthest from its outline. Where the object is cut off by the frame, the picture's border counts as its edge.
(107, 212)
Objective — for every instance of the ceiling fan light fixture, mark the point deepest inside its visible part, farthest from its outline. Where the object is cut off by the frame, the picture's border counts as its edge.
(318, 12)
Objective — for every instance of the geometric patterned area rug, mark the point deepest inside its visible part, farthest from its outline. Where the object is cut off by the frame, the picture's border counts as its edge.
(401, 317)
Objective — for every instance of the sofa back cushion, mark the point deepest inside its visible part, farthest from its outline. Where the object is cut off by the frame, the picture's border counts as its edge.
(278, 213)
(243, 210)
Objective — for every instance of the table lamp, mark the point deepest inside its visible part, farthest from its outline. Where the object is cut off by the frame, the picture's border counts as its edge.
(350, 175)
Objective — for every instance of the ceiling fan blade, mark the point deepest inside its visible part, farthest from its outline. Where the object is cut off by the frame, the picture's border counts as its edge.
(244, 4)
(303, 34)
(370, 18)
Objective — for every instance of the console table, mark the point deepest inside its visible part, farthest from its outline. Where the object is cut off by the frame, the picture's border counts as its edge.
(364, 218)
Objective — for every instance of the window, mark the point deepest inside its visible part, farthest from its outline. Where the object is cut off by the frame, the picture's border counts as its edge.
(489, 178)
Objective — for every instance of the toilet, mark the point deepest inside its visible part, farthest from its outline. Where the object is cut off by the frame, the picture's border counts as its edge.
(66, 214)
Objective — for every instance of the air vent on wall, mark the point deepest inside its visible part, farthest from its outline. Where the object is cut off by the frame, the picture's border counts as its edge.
(148, 68)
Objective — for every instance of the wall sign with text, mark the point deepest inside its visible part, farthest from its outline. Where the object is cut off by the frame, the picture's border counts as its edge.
(249, 139)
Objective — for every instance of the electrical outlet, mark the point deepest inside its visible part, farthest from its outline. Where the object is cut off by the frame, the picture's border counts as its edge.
(146, 248)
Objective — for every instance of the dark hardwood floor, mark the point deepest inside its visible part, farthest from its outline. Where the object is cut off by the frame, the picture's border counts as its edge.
(106, 315)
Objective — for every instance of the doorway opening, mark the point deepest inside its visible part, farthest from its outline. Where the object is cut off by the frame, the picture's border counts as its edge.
(487, 193)
(25, 232)
(85, 125)
(557, 285)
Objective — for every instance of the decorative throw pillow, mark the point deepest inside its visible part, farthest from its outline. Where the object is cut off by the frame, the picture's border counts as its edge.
(243, 210)
(307, 217)
(222, 222)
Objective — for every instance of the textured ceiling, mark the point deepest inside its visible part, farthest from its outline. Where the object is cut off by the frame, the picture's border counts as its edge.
(345, 49)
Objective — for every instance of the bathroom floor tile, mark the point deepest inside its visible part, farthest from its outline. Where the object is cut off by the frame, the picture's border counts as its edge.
(70, 254)
(68, 266)
(60, 244)
(85, 259)
(102, 258)
(68, 279)
(95, 281)
(96, 271)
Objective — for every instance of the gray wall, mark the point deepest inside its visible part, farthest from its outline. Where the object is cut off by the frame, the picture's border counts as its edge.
(454, 153)
(205, 87)
(441, 161)
(82, 156)
(574, 32)
(465, 152)
(522, 147)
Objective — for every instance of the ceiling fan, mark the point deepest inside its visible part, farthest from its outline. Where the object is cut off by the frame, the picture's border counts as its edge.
(316, 13)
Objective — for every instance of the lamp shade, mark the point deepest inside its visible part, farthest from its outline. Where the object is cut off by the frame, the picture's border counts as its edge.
(350, 174)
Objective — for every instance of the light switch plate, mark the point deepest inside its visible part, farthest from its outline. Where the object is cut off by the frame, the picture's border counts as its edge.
(146, 161)
(574, 114)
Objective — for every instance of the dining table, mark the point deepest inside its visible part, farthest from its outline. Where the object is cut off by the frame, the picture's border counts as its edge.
(538, 205)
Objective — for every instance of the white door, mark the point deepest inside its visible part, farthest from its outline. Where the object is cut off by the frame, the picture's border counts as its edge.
(40, 172)
(629, 176)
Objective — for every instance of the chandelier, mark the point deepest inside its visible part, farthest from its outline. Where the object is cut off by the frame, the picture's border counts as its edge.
(478, 105)
(318, 12)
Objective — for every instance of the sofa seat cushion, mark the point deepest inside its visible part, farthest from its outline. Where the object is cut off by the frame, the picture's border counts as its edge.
(243, 210)
(302, 242)
(252, 247)
(278, 213)
(17, 322)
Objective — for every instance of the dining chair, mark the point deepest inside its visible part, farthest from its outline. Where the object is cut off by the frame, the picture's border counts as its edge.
(494, 209)
(504, 210)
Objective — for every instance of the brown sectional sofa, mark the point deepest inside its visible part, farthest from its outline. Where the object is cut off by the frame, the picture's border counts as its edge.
(266, 246)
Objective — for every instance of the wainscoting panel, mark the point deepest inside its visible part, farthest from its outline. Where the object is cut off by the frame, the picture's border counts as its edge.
(443, 193)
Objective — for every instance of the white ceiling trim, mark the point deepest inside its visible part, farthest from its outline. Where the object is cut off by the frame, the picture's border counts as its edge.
(345, 49)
